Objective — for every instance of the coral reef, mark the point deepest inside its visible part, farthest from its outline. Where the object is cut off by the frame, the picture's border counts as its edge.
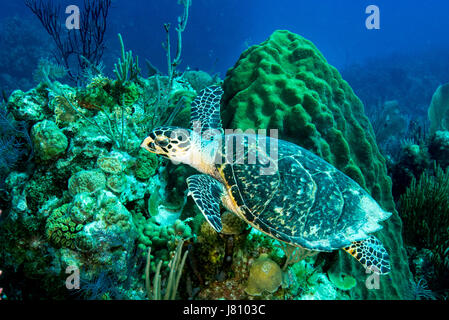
(309, 283)
(176, 268)
(89, 198)
(83, 201)
(247, 266)
(61, 230)
(285, 83)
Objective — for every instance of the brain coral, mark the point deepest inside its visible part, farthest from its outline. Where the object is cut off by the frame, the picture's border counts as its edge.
(61, 230)
(86, 181)
(285, 83)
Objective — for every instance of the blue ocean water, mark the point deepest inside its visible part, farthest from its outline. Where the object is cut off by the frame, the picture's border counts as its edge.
(218, 31)
(395, 69)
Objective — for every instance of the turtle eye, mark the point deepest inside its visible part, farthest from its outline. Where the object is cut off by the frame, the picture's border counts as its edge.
(163, 142)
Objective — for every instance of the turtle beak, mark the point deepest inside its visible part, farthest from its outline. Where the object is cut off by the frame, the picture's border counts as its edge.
(146, 143)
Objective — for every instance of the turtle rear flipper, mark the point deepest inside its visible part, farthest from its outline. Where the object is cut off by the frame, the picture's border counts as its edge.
(371, 254)
(207, 193)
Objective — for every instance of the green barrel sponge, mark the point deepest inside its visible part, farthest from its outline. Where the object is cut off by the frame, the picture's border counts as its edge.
(48, 140)
(285, 83)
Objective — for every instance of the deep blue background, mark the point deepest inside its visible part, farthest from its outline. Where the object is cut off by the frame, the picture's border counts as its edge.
(219, 30)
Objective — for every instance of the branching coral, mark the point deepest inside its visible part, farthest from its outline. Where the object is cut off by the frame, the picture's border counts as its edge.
(182, 24)
(165, 87)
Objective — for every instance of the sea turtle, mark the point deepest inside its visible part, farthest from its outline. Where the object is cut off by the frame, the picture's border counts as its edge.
(279, 188)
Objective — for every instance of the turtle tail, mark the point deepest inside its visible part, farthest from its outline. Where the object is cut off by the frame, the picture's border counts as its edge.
(371, 254)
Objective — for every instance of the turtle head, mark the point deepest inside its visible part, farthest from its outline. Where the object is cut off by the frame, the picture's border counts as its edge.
(170, 142)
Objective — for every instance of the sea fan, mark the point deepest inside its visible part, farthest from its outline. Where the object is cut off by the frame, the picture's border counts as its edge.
(13, 134)
(101, 287)
(8, 153)
(47, 70)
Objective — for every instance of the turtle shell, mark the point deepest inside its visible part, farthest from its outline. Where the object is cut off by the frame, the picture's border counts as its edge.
(295, 196)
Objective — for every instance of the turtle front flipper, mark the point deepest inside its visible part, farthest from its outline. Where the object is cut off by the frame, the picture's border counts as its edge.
(371, 254)
(207, 193)
(205, 112)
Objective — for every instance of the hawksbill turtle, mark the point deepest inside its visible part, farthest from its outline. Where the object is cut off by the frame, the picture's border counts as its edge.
(303, 200)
